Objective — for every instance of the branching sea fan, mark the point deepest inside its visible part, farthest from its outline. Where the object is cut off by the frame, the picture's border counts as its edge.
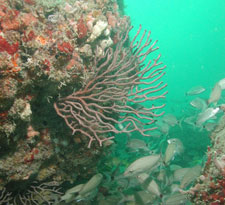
(118, 95)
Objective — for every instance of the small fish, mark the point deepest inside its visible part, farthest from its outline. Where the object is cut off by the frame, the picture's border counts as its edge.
(141, 165)
(222, 83)
(170, 119)
(70, 193)
(209, 126)
(163, 127)
(88, 196)
(156, 134)
(175, 146)
(195, 90)
(126, 198)
(190, 120)
(199, 103)
(153, 188)
(215, 94)
(91, 184)
(89, 190)
(145, 197)
(206, 115)
(175, 199)
(179, 174)
(190, 176)
(136, 144)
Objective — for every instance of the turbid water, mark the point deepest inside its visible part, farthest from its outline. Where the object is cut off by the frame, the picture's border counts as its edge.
(79, 101)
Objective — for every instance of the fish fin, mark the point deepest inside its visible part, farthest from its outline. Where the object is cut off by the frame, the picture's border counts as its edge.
(180, 123)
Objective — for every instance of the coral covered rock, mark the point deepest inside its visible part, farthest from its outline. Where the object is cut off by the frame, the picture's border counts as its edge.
(45, 55)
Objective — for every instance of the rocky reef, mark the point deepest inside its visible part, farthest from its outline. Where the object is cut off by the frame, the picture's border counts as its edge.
(47, 49)
(210, 186)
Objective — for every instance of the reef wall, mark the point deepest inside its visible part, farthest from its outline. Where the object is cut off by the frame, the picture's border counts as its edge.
(47, 49)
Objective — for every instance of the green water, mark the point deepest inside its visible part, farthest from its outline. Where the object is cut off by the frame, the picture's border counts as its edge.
(191, 37)
(191, 40)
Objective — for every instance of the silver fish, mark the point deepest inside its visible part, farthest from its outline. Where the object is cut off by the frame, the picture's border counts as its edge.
(170, 119)
(146, 197)
(206, 115)
(175, 199)
(156, 133)
(163, 127)
(141, 165)
(190, 176)
(175, 146)
(136, 144)
(199, 103)
(149, 184)
(70, 193)
(195, 90)
(190, 120)
(215, 94)
(91, 184)
(87, 196)
(153, 188)
(209, 126)
(222, 83)
(179, 174)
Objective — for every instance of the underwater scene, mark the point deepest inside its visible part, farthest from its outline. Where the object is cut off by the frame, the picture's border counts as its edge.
(112, 102)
